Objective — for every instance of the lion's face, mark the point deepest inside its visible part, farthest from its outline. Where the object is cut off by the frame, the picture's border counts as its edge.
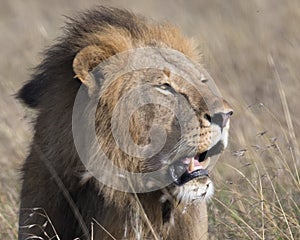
(151, 120)
(196, 132)
(174, 124)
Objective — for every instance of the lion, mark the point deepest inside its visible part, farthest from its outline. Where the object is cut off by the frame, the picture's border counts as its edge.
(145, 99)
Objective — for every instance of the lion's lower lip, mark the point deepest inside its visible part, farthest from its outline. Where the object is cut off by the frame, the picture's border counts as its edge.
(189, 168)
(187, 176)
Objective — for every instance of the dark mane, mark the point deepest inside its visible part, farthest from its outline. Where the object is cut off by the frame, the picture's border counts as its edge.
(59, 57)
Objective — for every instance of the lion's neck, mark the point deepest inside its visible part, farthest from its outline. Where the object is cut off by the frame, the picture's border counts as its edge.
(146, 217)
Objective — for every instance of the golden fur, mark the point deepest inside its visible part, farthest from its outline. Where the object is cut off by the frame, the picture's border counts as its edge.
(56, 182)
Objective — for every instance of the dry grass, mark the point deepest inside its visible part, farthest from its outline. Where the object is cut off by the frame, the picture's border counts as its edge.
(251, 49)
(261, 199)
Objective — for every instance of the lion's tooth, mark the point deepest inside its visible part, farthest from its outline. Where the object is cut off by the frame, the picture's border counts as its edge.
(191, 165)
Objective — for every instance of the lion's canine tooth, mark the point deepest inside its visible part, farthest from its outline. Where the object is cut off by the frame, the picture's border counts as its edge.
(191, 165)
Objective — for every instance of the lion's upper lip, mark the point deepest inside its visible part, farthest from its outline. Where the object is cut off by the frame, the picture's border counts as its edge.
(194, 163)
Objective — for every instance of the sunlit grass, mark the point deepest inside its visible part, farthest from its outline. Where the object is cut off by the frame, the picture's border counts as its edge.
(261, 197)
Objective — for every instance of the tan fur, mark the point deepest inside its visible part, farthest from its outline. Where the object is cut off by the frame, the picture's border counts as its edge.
(54, 177)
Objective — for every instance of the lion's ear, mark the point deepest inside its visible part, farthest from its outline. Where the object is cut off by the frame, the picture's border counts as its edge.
(84, 62)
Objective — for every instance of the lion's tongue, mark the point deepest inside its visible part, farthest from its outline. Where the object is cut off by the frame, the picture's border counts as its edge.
(193, 164)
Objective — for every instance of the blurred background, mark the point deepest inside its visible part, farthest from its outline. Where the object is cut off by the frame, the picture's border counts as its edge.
(250, 48)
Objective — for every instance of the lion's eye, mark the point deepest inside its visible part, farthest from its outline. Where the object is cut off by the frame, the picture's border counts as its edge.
(166, 86)
(203, 78)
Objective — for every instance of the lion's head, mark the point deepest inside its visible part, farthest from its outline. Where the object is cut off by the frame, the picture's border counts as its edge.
(156, 114)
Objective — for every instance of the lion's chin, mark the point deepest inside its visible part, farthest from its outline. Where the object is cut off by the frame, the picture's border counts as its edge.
(199, 189)
(191, 177)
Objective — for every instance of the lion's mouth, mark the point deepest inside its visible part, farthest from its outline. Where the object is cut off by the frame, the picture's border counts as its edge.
(189, 168)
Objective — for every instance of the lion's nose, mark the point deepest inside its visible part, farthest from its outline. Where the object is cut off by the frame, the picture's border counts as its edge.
(220, 118)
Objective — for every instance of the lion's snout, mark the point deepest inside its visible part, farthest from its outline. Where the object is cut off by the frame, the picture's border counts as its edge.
(220, 118)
